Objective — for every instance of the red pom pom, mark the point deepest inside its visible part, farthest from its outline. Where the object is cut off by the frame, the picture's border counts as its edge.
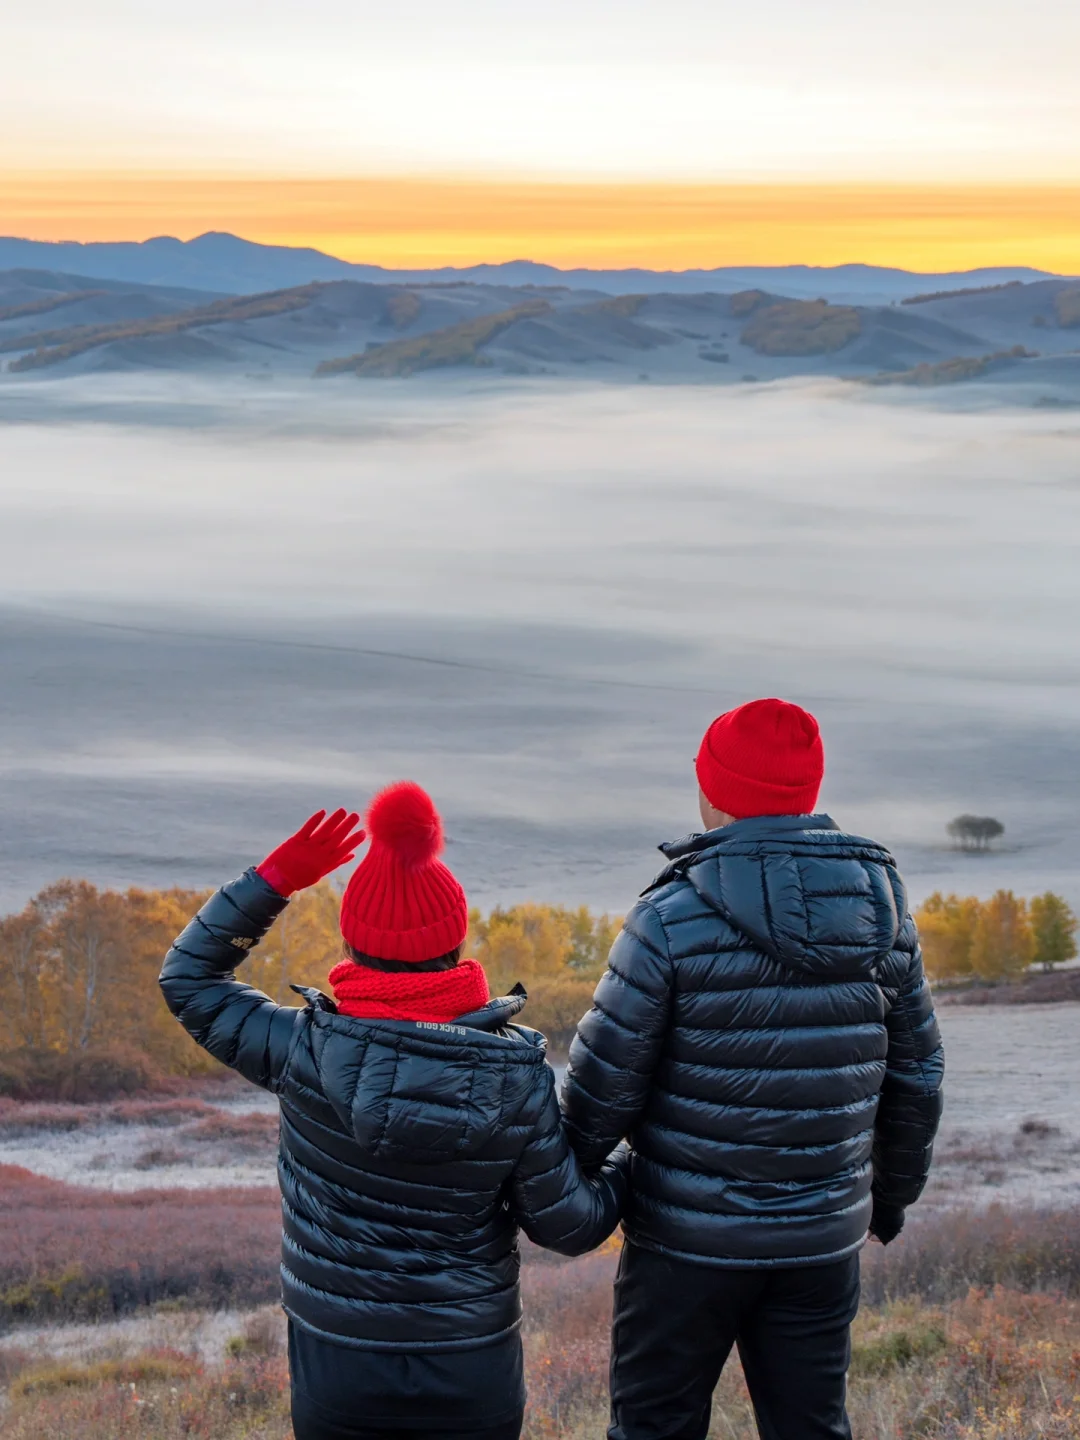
(403, 819)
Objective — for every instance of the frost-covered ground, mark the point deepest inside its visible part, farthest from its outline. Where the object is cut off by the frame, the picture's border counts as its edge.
(147, 1145)
(205, 1333)
(1011, 1132)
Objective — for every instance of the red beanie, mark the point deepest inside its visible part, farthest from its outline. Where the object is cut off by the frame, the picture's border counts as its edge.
(765, 758)
(402, 903)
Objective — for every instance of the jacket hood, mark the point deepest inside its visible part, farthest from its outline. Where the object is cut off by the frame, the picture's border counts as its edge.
(814, 898)
(421, 1092)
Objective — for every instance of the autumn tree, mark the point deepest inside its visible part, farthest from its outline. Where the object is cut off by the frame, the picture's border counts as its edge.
(153, 920)
(1054, 925)
(79, 966)
(85, 946)
(1003, 945)
(523, 943)
(22, 947)
(947, 931)
(558, 954)
(505, 950)
(592, 937)
(302, 946)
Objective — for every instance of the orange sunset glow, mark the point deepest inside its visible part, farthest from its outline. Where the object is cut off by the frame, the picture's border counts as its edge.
(406, 222)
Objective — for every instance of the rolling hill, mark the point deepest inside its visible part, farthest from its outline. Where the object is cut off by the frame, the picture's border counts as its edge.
(59, 322)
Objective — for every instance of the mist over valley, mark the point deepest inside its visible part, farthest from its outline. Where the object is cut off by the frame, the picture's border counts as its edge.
(223, 607)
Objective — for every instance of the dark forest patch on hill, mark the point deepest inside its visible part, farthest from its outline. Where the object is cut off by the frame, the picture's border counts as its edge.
(1067, 308)
(43, 306)
(454, 345)
(931, 295)
(952, 372)
(801, 327)
(52, 347)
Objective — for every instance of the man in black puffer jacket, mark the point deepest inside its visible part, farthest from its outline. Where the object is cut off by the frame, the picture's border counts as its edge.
(765, 1037)
(419, 1130)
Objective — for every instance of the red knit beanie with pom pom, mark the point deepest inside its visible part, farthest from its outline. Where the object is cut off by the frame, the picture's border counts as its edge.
(402, 903)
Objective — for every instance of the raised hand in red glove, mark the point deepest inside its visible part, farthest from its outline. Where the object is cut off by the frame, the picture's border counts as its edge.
(315, 850)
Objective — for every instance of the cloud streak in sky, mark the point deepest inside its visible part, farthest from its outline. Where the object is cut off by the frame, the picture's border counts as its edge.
(418, 223)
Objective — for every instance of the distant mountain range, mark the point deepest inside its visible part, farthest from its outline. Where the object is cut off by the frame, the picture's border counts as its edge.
(61, 323)
(228, 265)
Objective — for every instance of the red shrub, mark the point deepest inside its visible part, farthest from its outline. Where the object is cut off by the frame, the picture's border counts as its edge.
(941, 1257)
(18, 1118)
(81, 1075)
(68, 1251)
(255, 1133)
(567, 1327)
(156, 1112)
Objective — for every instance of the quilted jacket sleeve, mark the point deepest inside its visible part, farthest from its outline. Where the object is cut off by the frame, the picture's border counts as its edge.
(911, 1095)
(554, 1202)
(237, 1024)
(618, 1043)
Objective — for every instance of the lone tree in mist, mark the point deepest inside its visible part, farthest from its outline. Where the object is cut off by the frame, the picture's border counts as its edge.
(974, 832)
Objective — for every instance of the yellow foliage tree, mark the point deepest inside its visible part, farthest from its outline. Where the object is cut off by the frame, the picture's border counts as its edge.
(83, 946)
(947, 931)
(303, 945)
(1054, 924)
(78, 972)
(558, 954)
(522, 943)
(79, 965)
(21, 991)
(1003, 945)
(592, 937)
(154, 919)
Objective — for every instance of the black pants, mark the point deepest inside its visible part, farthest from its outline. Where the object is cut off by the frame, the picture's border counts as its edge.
(308, 1424)
(339, 1393)
(676, 1323)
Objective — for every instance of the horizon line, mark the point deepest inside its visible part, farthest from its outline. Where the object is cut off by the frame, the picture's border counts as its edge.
(404, 223)
(525, 259)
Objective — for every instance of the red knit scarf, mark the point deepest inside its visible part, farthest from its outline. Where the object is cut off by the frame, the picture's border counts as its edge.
(438, 995)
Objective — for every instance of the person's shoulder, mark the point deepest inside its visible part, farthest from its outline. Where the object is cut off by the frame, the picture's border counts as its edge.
(663, 893)
(667, 912)
(851, 845)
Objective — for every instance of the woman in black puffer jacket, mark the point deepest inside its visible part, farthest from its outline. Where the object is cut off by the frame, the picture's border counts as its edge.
(419, 1131)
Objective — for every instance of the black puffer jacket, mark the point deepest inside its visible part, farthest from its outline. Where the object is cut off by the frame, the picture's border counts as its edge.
(409, 1155)
(766, 1038)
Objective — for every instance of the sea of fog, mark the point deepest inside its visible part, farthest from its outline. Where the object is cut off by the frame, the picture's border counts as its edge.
(224, 606)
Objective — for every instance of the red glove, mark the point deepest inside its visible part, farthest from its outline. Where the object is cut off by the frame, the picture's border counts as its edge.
(315, 850)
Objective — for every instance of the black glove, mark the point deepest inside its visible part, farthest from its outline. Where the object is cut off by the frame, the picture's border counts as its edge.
(886, 1222)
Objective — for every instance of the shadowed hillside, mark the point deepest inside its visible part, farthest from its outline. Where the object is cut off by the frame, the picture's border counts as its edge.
(49, 302)
(799, 327)
(53, 347)
(1067, 308)
(382, 331)
(952, 372)
(456, 345)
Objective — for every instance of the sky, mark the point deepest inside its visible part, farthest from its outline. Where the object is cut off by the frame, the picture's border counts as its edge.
(113, 116)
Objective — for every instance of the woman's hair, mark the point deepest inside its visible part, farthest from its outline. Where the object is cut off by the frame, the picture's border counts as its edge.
(440, 962)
